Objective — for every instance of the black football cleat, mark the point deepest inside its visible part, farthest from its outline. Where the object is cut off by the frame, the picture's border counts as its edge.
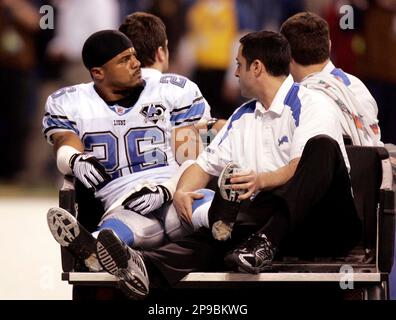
(255, 255)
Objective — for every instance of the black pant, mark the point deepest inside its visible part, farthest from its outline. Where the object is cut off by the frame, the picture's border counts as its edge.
(312, 214)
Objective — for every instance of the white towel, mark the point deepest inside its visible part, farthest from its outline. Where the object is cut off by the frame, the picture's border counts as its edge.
(355, 120)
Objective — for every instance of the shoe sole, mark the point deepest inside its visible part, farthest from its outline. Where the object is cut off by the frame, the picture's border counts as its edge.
(113, 257)
(233, 264)
(224, 183)
(253, 270)
(70, 234)
(221, 230)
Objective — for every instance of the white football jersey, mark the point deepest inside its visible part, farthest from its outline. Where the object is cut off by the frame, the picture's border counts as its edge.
(128, 141)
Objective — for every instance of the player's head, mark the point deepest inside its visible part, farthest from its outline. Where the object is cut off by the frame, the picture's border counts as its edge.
(111, 60)
(261, 53)
(148, 34)
(308, 35)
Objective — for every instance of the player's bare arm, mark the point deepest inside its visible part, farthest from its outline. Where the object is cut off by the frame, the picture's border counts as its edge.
(67, 138)
(187, 141)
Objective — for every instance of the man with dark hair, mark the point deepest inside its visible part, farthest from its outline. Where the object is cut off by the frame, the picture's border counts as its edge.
(274, 53)
(294, 181)
(114, 135)
(149, 37)
(308, 35)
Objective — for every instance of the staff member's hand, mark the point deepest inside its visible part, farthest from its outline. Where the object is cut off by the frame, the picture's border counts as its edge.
(183, 201)
(247, 181)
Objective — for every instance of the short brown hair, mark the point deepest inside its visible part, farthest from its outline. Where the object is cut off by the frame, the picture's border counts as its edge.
(147, 33)
(271, 48)
(308, 35)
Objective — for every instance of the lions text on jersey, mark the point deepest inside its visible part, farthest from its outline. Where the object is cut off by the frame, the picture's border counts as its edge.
(134, 144)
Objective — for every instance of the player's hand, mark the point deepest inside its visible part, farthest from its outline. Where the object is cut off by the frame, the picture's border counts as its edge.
(247, 181)
(89, 171)
(183, 201)
(147, 199)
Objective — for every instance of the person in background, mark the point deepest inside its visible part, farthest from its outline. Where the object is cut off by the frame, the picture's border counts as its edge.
(308, 35)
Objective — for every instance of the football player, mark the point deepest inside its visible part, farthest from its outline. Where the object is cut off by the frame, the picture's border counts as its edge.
(115, 136)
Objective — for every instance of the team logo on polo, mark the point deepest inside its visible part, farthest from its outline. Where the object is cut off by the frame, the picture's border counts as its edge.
(282, 140)
(153, 112)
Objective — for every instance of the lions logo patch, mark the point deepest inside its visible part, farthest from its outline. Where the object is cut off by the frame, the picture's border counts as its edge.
(153, 112)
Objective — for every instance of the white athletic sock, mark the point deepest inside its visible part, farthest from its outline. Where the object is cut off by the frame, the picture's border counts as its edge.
(200, 216)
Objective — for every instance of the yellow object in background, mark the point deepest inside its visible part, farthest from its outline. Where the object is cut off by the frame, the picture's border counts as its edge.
(213, 27)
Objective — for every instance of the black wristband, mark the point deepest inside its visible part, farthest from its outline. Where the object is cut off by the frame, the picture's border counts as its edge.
(73, 160)
(167, 194)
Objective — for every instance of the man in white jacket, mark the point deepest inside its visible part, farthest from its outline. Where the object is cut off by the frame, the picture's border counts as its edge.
(308, 35)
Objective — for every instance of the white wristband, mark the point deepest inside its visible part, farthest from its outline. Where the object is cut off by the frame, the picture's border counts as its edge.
(63, 156)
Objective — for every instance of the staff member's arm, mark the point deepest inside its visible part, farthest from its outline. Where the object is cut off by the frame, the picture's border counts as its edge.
(209, 164)
(253, 182)
(193, 178)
